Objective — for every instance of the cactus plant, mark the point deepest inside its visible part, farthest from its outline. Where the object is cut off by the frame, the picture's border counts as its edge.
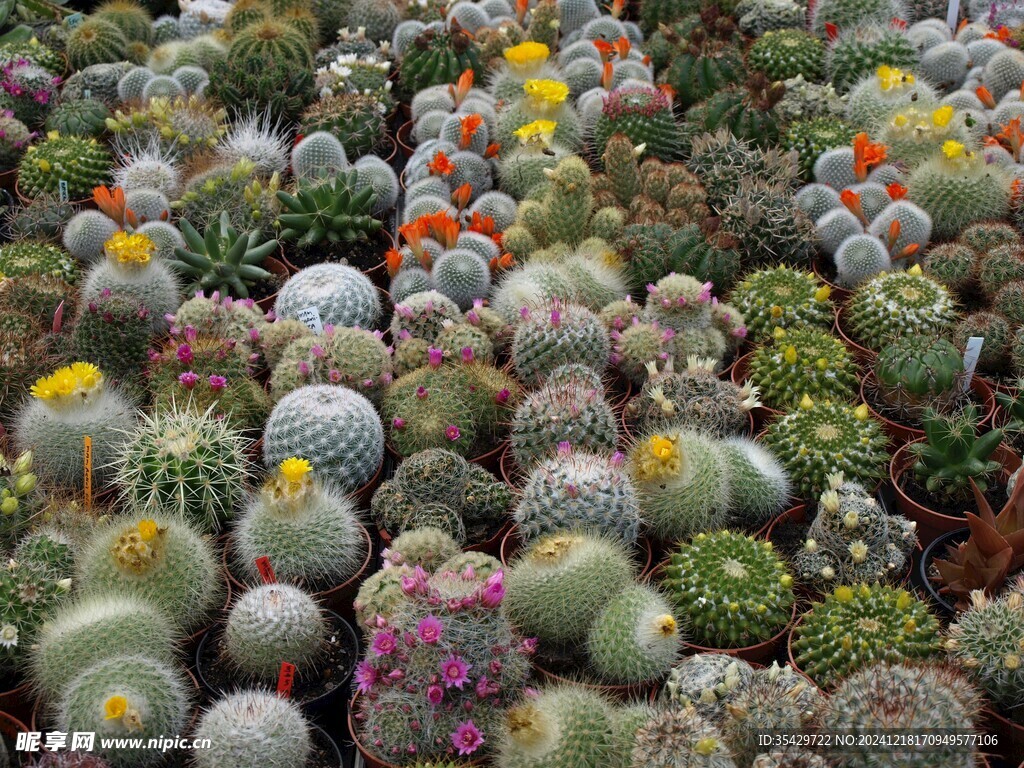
(274, 40)
(781, 297)
(707, 682)
(258, 83)
(635, 637)
(253, 727)
(785, 53)
(436, 57)
(644, 115)
(896, 303)
(557, 333)
(859, 625)
(953, 456)
(81, 163)
(860, 50)
(222, 259)
(804, 361)
(349, 356)
(30, 596)
(342, 295)
(96, 41)
(918, 372)
(115, 331)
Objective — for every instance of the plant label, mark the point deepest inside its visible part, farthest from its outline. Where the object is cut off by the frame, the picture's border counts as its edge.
(971, 355)
(285, 679)
(75, 19)
(87, 93)
(87, 471)
(266, 570)
(62, 186)
(952, 14)
(311, 317)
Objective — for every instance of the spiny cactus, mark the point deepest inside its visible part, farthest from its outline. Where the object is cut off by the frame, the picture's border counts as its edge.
(805, 361)
(679, 736)
(342, 295)
(557, 333)
(918, 372)
(253, 727)
(634, 638)
(114, 331)
(781, 297)
(351, 357)
(707, 682)
(31, 596)
(896, 303)
(81, 163)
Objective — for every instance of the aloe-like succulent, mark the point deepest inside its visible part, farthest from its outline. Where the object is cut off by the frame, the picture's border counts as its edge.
(334, 211)
(221, 259)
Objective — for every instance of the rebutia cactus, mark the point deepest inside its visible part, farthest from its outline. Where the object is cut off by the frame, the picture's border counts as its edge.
(635, 637)
(253, 728)
(898, 696)
(858, 625)
(916, 372)
(644, 115)
(820, 438)
(308, 530)
(186, 462)
(126, 696)
(555, 334)
(897, 303)
(781, 297)
(163, 560)
(82, 163)
(753, 592)
(342, 295)
(66, 407)
(335, 428)
(578, 490)
(270, 624)
(799, 362)
(94, 629)
(586, 566)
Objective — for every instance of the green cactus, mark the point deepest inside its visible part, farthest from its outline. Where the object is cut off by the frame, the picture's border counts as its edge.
(805, 361)
(847, 13)
(253, 727)
(860, 50)
(222, 259)
(705, 62)
(273, 40)
(354, 117)
(115, 331)
(859, 625)
(554, 334)
(747, 111)
(25, 258)
(785, 53)
(438, 57)
(86, 118)
(952, 264)
(997, 266)
(96, 41)
(743, 593)
(960, 190)
(82, 163)
(769, 227)
(635, 637)
(782, 297)
(918, 372)
(896, 303)
(644, 115)
(329, 212)
(30, 597)
(258, 83)
(707, 682)
(811, 138)
(349, 356)
(952, 454)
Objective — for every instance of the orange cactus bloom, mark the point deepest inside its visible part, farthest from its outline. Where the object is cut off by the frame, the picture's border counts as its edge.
(443, 228)
(522, 6)
(1002, 34)
(909, 251)
(866, 155)
(616, 8)
(393, 259)
(985, 95)
(492, 150)
(460, 197)
(484, 225)
(622, 47)
(606, 76)
(851, 200)
(498, 264)
(441, 165)
(111, 202)
(894, 233)
(604, 48)
(460, 90)
(413, 233)
(469, 126)
(1012, 137)
(896, 191)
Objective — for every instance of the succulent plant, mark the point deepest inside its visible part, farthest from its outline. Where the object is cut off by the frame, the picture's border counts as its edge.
(31, 596)
(896, 303)
(81, 163)
(918, 372)
(555, 334)
(707, 682)
(254, 727)
(781, 297)
(679, 736)
(331, 211)
(953, 455)
(436, 57)
(802, 361)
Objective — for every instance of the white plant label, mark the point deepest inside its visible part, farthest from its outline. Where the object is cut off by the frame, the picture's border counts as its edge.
(87, 93)
(75, 19)
(952, 14)
(62, 186)
(971, 355)
(311, 317)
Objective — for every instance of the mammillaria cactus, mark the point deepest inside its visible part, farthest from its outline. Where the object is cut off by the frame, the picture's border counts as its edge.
(310, 532)
(781, 297)
(342, 295)
(253, 728)
(162, 560)
(642, 113)
(896, 303)
(635, 637)
(679, 736)
(31, 596)
(82, 163)
(66, 407)
(351, 357)
(707, 682)
(820, 438)
(785, 53)
(555, 334)
(800, 362)
(857, 625)
(753, 590)
(918, 372)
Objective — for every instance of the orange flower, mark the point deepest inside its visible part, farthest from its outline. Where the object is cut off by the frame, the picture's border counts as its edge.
(506, 261)
(669, 91)
(1002, 34)
(986, 97)
(492, 150)
(1013, 137)
(460, 197)
(616, 8)
(460, 90)
(909, 251)
(522, 6)
(898, 22)
(484, 225)
(851, 200)
(441, 165)
(646, 60)
(606, 76)
(896, 191)
(604, 48)
(894, 233)
(111, 202)
(394, 261)
(469, 125)
(866, 156)
(443, 228)
(413, 233)
(622, 47)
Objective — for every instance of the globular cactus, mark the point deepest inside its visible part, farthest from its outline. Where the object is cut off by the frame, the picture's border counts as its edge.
(638, 344)
(159, 559)
(917, 372)
(318, 155)
(732, 590)
(707, 682)
(995, 329)
(835, 227)
(846, 13)
(96, 41)
(424, 546)
(816, 200)
(342, 295)
(858, 625)
(115, 332)
(635, 637)
(578, 490)
(31, 596)
(679, 736)
(642, 113)
(811, 138)
(253, 728)
(587, 566)
(94, 629)
(818, 439)
(785, 53)
(860, 50)
(860, 258)
(804, 361)
(422, 315)
(130, 695)
(781, 297)
(374, 173)
(557, 333)
(1003, 72)
(896, 303)
(272, 39)
(82, 163)
(760, 486)
(351, 357)
(998, 266)
(270, 624)
(461, 275)
(872, 100)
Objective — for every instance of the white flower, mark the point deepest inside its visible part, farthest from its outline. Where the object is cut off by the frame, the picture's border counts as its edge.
(8, 636)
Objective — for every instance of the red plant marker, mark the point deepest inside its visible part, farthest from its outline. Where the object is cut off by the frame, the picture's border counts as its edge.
(266, 570)
(285, 679)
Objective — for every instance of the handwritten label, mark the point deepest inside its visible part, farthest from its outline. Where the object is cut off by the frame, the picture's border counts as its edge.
(285, 680)
(971, 355)
(75, 19)
(266, 570)
(311, 317)
(952, 14)
(87, 471)
(62, 185)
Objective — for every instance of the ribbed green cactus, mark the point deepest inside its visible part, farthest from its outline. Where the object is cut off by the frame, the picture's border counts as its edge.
(642, 113)
(744, 593)
(781, 297)
(704, 63)
(635, 638)
(803, 361)
(82, 163)
(918, 372)
(896, 303)
(557, 333)
(354, 116)
(253, 728)
(785, 53)
(272, 39)
(30, 597)
(859, 625)
(436, 57)
(860, 50)
(96, 41)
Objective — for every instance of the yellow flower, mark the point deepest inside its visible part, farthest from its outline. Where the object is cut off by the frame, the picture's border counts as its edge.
(843, 594)
(541, 131)
(52, 135)
(526, 56)
(129, 249)
(661, 447)
(942, 116)
(77, 378)
(546, 92)
(915, 270)
(890, 77)
(294, 469)
(776, 312)
(900, 120)
(953, 149)
(790, 354)
(44, 165)
(115, 707)
(666, 625)
(822, 293)
(147, 529)
(861, 412)
(707, 746)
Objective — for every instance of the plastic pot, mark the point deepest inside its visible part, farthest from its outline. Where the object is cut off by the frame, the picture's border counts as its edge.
(937, 548)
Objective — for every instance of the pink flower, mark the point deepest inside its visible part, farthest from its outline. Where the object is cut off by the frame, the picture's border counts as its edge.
(217, 383)
(185, 353)
(740, 332)
(494, 590)
(191, 334)
(421, 393)
(429, 629)
(467, 738)
(303, 367)
(618, 459)
(564, 448)
(397, 423)
(502, 397)
(188, 379)
(317, 351)
(452, 433)
(467, 354)
(435, 693)
(384, 644)
(334, 375)
(529, 646)
(455, 671)
(435, 356)
(254, 334)
(365, 676)
(556, 318)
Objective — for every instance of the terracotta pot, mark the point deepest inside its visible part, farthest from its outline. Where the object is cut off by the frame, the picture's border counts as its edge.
(510, 471)
(740, 373)
(930, 523)
(861, 354)
(512, 543)
(17, 702)
(1011, 734)
(10, 726)
(391, 147)
(900, 433)
(274, 267)
(87, 202)
(405, 140)
(337, 599)
(624, 693)
(492, 546)
(838, 294)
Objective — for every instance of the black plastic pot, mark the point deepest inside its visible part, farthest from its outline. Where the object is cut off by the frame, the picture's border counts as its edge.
(937, 548)
(334, 700)
(320, 735)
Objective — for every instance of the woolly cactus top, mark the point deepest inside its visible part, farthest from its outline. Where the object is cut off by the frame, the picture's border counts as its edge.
(635, 100)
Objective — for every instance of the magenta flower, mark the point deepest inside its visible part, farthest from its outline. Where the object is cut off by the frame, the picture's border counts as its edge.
(334, 375)
(435, 356)
(467, 354)
(452, 433)
(254, 334)
(467, 738)
(455, 671)
(740, 332)
(397, 423)
(564, 448)
(618, 459)
(191, 334)
(494, 590)
(421, 393)
(366, 676)
(435, 693)
(556, 318)
(317, 351)
(429, 629)
(502, 397)
(188, 379)
(185, 353)
(217, 383)
(384, 644)
(303, 368)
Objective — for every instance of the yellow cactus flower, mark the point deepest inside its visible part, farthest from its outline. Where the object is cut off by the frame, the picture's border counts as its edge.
(953, 149)
(899, 121)
(661, 447)
(539, 132)
(545, 92)
(707, 746)
(915, 270)
(904, 600)
(823, 293)
(778, 332)
(527, 56)
(79, 378)
(115, 707)
(942, 116)
(129, 250)
(52, 135)
(790, 354)
(776, 312)
(43, 165)
(294, 469)
(843, 594)
(666, 625)
(147, 529)
(1011, 661)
